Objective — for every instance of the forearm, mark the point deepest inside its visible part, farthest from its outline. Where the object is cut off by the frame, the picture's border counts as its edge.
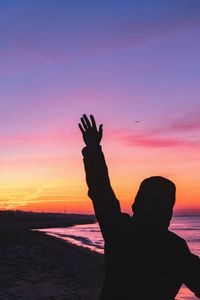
(106, 205)
(97, 177)
(96, 169)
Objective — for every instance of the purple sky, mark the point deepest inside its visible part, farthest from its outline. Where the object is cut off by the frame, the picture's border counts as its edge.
(120, 60)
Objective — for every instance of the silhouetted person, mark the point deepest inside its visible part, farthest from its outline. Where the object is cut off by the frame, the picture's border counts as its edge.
(143, 259)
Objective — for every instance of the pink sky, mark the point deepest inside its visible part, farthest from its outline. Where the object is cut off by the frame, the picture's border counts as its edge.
(122, 62)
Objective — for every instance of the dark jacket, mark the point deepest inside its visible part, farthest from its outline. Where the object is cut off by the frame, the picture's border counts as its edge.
(140, 263)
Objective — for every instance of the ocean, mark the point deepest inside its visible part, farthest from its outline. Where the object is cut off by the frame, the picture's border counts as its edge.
(89, 236)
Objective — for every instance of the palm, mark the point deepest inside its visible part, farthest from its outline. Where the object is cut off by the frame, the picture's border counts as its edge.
(91, 135)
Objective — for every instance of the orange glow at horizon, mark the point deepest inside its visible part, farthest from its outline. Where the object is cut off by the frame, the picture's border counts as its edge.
(69, 193)
(136, 69)
(58, 185)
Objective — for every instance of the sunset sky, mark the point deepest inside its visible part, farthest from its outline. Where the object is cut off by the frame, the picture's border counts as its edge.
(124, 62)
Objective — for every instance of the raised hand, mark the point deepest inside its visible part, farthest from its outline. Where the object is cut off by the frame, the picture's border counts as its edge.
(91, 136)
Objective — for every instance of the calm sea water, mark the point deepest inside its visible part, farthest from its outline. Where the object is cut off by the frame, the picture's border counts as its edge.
(89, 236)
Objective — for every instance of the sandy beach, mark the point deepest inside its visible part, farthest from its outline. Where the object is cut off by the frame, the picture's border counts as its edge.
(36, 266)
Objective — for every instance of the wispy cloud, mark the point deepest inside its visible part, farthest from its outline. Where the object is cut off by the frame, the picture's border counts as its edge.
(58, 137)
(155, 141)
(182, 132)
(52, 192)
(188, 122)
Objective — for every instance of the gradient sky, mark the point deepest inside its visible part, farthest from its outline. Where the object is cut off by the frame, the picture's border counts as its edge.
(123, 61)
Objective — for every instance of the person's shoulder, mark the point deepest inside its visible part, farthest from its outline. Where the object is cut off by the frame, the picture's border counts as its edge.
(125, 218)
(177, 242)
(176, 238)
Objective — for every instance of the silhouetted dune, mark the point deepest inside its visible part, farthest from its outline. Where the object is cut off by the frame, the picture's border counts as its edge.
(13, 220)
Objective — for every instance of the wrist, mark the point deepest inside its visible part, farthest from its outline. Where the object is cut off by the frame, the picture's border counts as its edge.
(91, 149)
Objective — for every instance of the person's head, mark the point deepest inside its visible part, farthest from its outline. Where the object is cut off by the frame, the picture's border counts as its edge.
(154, 202)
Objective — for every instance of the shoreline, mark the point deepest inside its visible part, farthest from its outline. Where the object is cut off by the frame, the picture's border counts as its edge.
(36, 266)
(81, 249)
(183, 293)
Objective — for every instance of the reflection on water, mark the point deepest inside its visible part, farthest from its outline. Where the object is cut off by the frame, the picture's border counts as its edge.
(89, 236)
(185, 294)
(188, 227)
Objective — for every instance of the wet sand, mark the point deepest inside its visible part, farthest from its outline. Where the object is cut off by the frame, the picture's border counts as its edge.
(36, 266)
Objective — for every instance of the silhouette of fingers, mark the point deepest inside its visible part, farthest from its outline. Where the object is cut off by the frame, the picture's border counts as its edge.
(84, 124)
(101, 130)
(87, 120)
(93, 121)
(81, 128)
